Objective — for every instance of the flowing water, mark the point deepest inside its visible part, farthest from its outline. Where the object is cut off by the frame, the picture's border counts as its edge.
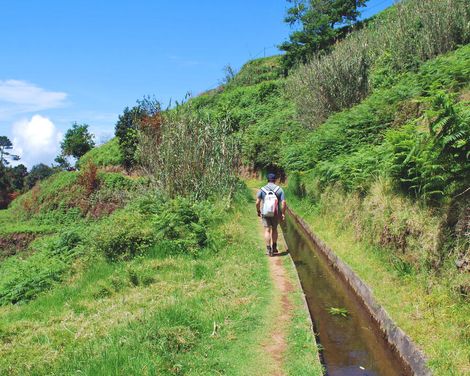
(351, 345)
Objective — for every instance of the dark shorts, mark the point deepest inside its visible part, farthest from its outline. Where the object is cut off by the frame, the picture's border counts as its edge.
(271, 222)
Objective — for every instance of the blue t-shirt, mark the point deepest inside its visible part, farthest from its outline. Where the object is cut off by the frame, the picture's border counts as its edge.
(271, 186)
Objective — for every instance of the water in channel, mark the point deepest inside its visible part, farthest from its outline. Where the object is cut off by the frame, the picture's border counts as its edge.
(352, 345)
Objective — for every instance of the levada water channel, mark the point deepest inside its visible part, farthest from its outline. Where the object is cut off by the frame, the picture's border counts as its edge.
(351, 342)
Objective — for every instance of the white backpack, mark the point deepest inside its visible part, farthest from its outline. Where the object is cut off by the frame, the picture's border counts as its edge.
(270, 203)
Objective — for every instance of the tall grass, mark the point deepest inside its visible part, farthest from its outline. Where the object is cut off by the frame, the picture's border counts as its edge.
(190, 155)
(398, 40)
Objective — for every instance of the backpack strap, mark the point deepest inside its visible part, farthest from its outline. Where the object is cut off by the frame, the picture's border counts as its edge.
(276, 189)
(264, 190)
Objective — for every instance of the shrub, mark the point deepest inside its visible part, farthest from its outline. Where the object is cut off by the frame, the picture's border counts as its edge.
(88, 178)
(432, 164)
(180, 225)
(124, 235)
(331, 83)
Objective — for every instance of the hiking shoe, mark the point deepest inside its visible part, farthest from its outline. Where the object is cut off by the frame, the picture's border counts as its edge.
(269, 251)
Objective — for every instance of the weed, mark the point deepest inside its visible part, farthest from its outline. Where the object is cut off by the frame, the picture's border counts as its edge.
(338, 311)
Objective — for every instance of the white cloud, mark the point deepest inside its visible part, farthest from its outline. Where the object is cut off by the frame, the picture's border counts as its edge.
(36, 140)
(17, 97)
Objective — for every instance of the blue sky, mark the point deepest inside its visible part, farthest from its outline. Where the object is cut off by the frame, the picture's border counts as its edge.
(84, 61)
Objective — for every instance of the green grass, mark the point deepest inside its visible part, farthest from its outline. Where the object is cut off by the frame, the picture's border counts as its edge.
(104, 155)
(157, 314)
(424, 305)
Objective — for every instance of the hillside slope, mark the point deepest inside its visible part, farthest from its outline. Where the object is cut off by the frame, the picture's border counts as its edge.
(105, 276)
(385, 182)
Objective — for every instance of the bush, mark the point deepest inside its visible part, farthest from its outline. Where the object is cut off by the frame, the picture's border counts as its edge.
(124, 235)
(181, 226)
(433, 164)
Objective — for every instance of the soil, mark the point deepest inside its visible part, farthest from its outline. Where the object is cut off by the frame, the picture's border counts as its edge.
(14, 243)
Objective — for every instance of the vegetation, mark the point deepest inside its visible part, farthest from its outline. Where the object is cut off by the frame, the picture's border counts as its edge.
(376, 137)
(338, 311)
(151, 270)
(189, 155)
(106, 155)
(397, 41)
(161, 309)
(321, 24)
(76, 143)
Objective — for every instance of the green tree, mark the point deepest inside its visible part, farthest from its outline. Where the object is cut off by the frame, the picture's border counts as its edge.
(62, 162)
(126, 131)
(17, 176)
(5, 187)
(37, 173)
(320, 23)
(77, 141)
(5, 146)
(145, 117)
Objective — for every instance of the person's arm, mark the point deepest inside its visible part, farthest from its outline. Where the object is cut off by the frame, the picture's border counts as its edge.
(258, 203)
(283, 209)
(283, 204)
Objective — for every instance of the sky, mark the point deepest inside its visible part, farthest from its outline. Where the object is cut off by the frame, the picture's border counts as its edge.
(84, 61)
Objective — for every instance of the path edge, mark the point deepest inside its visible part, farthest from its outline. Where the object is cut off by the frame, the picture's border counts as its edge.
(302, 295)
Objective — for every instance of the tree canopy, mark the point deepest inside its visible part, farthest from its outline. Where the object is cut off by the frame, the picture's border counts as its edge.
(320, 23)
(77, 141)
(38, 172)
(5, 146)
(145, 116)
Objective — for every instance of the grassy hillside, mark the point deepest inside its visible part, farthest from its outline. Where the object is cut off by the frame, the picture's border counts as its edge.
(107, 154)
(382, 176)
(158, 286)
(258, 111)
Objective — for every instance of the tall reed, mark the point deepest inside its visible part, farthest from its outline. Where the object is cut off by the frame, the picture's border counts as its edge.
(190, 155)
(398, 40)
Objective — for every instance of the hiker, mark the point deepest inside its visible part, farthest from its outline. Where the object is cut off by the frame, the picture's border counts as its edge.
(273, 211)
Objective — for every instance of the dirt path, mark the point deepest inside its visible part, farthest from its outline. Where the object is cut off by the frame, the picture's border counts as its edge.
(276, 343)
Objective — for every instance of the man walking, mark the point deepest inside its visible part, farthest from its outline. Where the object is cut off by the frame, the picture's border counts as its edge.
(271, 194)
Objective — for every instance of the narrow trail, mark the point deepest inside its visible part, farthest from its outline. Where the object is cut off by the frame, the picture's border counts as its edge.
(275, 344)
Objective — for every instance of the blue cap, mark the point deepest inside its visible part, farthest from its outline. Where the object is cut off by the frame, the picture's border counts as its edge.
(271, 176)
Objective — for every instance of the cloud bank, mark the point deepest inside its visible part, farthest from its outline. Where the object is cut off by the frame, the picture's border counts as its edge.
(36, 140)
(19, 97)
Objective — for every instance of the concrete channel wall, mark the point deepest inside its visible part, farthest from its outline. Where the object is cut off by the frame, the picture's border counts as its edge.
(396, 337)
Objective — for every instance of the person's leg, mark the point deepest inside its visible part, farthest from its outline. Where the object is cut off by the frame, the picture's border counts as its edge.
(267, 235)
(274, 238)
